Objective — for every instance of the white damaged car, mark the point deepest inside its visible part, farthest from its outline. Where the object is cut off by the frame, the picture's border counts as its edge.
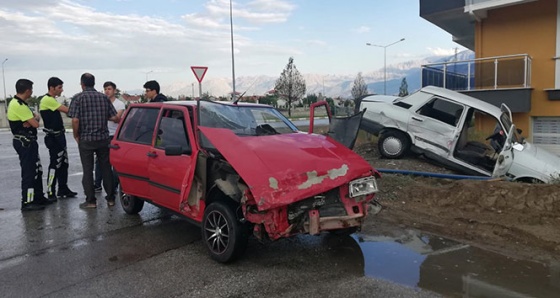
(459, 131)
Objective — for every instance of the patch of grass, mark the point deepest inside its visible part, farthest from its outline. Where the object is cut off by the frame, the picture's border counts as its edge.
(365, 138)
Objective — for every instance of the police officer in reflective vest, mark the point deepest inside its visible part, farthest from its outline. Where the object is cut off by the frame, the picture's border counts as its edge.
(24, 128)
(55, 140)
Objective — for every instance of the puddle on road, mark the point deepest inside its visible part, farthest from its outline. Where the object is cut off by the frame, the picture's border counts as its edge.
(454, 269)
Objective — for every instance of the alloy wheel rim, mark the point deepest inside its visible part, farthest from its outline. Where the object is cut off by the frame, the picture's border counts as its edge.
(217, 232)
(125, 199)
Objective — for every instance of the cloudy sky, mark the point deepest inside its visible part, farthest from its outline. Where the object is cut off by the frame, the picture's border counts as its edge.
(127, 41)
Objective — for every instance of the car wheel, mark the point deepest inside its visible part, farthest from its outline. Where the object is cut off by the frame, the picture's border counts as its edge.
(344, 232)
(393, 144)
(130, 204)
(224, 236)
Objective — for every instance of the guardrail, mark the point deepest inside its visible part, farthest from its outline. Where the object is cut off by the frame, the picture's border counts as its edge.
(500, 72)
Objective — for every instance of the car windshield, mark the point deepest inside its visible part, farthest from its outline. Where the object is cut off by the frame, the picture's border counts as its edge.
(245, 119)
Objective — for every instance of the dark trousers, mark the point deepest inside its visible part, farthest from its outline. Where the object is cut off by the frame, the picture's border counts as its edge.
(58, 165)
(99, 176)
(31, 170)
(87, 151)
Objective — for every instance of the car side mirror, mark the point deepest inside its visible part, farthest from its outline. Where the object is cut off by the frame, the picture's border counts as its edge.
(175, 150)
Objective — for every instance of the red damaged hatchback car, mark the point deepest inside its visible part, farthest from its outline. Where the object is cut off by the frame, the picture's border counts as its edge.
(241, 169)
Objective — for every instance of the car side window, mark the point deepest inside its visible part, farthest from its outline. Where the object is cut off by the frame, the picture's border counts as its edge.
(442, 110)
(172, 130)
(138, 126)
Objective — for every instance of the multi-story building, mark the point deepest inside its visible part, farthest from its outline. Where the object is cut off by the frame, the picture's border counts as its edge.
(517, 59)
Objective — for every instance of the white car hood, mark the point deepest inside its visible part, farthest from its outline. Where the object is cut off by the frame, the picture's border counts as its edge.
(538, 160)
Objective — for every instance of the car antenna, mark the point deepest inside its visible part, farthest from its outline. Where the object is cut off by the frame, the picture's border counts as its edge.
(237, 99)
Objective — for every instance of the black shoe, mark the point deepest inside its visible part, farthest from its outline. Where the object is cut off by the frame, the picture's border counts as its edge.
(98, 188)
(44, 201)
(110, 202)
(31, 207)
(88, 205)
(66, 193)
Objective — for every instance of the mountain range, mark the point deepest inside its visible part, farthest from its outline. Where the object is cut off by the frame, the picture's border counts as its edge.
(331, 85)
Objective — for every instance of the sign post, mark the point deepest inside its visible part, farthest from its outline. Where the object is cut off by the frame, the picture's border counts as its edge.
(199, 72)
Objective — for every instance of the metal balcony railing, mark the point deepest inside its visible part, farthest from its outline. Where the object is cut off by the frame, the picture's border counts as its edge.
(474, 2)
(501, 72)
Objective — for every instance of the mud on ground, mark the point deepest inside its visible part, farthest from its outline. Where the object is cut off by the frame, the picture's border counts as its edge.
(514, 219)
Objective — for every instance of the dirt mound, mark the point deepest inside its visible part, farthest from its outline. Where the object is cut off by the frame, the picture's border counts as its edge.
(516, 219)
(529, 200)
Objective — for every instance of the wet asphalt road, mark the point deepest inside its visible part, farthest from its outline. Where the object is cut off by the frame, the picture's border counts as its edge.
(64, 251)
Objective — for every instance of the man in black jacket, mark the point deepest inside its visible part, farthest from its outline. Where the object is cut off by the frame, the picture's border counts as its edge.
(152, 92)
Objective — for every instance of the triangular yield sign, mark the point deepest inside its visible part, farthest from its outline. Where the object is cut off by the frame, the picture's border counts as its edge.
(199, 72)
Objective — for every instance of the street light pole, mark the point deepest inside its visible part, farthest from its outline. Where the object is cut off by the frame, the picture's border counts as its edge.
(232, 51)
(148, 72)
(384, 61)
(4, 82)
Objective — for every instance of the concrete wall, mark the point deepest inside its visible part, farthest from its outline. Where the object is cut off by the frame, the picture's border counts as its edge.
(4, 120)
(3, 116)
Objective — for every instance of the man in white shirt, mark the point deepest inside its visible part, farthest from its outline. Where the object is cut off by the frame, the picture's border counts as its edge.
(110, 90)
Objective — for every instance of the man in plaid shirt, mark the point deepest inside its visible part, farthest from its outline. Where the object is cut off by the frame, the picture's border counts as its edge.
(89, 111)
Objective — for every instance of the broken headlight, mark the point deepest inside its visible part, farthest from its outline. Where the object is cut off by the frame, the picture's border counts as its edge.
(363, 186)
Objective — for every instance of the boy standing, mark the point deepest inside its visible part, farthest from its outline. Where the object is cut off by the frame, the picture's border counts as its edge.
(110, 90)
(152, 92)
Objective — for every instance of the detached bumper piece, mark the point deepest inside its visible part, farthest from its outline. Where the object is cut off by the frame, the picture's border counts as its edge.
(316, 224)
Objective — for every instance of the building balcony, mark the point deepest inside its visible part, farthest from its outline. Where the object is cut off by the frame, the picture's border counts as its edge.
(480, 7)
(458, 17)
(496, 80)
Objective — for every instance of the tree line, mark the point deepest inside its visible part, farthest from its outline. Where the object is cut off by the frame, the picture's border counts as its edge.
(290, 87)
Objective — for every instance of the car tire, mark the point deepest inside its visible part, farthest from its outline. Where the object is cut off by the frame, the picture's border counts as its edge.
(393, 144)
(130, 204)
(223, 234)
(344, 232)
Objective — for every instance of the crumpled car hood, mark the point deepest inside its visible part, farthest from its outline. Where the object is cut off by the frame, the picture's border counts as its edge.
(539, 160)
(282, 169)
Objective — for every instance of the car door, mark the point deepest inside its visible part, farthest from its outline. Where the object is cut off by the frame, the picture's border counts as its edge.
(505, 159)
(342, 129)
(128, 149)
(171, 174)
(435, 125)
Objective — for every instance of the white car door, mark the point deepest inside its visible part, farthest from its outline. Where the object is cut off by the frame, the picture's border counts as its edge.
(435, 125)
(505, 159)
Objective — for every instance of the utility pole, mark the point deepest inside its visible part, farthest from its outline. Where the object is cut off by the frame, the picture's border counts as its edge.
(384, 61)
(4, 82)
(148, 72)
(232, 52)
